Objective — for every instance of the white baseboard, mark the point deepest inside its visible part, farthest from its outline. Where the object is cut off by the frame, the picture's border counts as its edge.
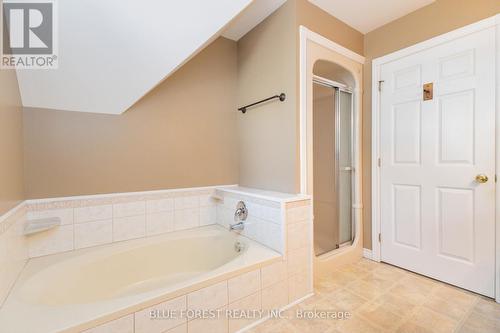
(367, 253)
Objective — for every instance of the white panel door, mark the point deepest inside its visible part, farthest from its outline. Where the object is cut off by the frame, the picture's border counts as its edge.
(436, 219)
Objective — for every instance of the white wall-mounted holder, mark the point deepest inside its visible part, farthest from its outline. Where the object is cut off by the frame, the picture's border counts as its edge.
(217, 198)
(39, 225)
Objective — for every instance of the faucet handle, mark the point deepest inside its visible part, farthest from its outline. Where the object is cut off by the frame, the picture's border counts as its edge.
(241, 212)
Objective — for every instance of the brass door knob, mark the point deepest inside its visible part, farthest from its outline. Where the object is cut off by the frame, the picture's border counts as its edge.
(481, 178)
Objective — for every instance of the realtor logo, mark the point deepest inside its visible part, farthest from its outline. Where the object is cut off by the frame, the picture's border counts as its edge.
(28, 34)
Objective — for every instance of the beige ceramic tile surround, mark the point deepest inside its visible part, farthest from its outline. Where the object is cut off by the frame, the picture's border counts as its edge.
(103, 219)
(13, 248)
(269, 286)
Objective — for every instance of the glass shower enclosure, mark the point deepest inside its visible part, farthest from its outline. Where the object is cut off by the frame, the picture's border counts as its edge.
(332, 165)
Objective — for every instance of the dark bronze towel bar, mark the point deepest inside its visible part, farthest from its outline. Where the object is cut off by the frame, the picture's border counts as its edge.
(281, 97)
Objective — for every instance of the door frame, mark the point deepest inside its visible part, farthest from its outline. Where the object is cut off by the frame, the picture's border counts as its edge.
(487, 23)
(353, 62)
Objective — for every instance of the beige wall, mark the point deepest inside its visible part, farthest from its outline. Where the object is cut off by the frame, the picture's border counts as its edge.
(268, 63)
(321, 22)
(267, 133)
(263, 57)
(182, 134)
(186, 132)
(427, 22)
(11, 142)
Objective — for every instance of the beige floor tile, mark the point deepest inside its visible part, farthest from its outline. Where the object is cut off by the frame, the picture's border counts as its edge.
(408, 293)
(364, 289)
(433, 321)
(398, 305)
(314, 302)
(384, 298)
(342, 277)
(312, 325)
(481, 323)
(378, 314)
(327, 285)
(472, 329)
(368, 264)
(333, 330)
(322, 304)
(388, 273)
(459, 296)
(488, 308)
(273, 326)
(379, 282)
(357, 324)
(353, 268)
(345, 300)
(448, 307)
(409, 327)
(420, 284)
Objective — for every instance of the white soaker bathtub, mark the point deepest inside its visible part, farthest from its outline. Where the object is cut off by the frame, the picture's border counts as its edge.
(68, 292)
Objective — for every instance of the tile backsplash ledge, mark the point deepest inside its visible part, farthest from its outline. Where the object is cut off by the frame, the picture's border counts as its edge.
(94, 220)
(111, 198)
(102, 219)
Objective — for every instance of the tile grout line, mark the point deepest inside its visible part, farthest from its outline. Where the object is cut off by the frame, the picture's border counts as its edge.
(404, 318)
(462, 321)
(368, 301)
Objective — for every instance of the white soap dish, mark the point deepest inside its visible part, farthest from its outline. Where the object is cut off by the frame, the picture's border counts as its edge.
(217, 198)
(39, 225)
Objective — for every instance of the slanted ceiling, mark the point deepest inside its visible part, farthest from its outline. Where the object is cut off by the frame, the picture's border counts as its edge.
(113, 52)
(251, 17)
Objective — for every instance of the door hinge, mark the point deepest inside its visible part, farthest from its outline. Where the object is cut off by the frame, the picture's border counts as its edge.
(495, 178)
(380, 238)
(379, 162)
(380, 85)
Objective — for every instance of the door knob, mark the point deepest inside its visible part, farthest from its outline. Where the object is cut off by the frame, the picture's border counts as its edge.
(481, 178)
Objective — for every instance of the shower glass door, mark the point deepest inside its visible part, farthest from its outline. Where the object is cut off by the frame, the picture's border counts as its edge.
(332, 167)
(344, 146)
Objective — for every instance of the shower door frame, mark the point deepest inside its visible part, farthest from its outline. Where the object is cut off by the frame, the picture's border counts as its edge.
(353, 62)
(340, 87)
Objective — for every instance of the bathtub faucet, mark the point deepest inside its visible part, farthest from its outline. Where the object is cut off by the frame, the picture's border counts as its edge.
(237, 226)
(240, 216)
